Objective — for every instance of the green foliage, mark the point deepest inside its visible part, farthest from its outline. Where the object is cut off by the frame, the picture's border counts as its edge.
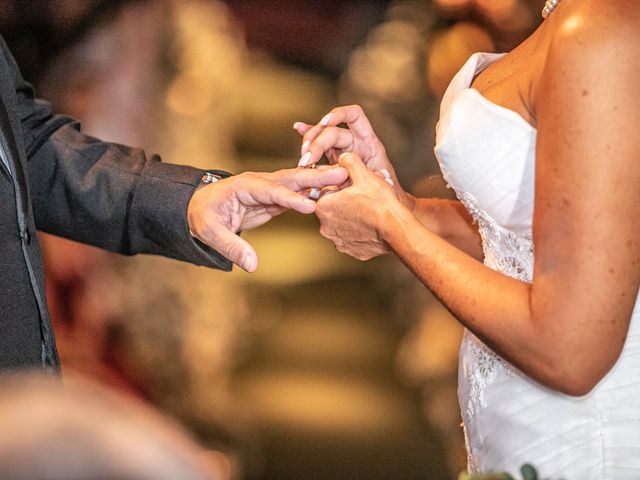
(528, 473)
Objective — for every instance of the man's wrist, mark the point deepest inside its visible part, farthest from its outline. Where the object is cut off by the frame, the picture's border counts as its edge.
(209, 178)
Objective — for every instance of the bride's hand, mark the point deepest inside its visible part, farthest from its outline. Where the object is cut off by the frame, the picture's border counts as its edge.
(326, 138)
(353, 218)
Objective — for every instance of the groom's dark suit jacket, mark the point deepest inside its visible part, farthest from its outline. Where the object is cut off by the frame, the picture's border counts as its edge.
(56, 179)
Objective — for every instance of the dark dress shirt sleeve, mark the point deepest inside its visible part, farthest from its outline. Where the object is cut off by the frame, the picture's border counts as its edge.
(104, 194)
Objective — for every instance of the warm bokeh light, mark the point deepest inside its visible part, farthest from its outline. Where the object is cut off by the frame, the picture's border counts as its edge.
(450, 50)
(314, 345)
(323, 404)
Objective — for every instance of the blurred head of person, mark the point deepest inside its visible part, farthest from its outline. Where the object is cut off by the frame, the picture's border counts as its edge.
(83, 431)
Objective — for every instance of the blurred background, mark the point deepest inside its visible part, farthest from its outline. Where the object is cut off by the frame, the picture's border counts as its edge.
(317, 366)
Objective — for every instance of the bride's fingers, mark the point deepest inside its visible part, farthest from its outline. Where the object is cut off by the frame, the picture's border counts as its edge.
(353, 116)
(301, 128)
(332, 154)
(310, 135)
(329, 140)
(385, 175)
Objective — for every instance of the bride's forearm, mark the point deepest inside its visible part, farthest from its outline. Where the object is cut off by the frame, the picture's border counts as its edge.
(495, 307)
(451, 221)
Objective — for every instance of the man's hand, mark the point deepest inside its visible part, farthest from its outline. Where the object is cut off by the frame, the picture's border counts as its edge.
(219, 210)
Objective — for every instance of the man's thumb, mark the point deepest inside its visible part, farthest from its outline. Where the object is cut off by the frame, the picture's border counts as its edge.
(235, 248)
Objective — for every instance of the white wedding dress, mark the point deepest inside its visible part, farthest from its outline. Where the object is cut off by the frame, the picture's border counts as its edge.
(487, 155)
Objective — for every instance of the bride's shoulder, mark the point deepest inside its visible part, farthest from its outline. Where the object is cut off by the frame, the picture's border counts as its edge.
(587, 22)
(592, 54)
(595, 32)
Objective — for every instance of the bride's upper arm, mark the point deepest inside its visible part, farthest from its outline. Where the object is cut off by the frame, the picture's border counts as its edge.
(587, 200)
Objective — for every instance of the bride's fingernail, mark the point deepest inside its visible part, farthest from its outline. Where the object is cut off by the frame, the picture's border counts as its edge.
(304, 160)
(389, 181)
(385, 173)
(305, 147)
(314, 194)
(326, 119)
(297, 125)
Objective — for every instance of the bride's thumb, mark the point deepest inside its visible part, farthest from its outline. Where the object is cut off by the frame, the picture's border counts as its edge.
(354, 164)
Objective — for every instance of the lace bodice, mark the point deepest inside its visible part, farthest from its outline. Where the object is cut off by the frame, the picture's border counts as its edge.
(487, 155)
(508, 252)
(512, 254)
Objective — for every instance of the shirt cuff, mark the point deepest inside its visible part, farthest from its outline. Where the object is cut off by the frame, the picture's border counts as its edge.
(158, 220)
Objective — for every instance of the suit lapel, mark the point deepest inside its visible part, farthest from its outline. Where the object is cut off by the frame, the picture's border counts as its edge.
(4, 161)
(11, 159)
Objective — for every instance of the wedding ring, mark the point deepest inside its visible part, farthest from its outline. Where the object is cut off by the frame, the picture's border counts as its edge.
(314, 193)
